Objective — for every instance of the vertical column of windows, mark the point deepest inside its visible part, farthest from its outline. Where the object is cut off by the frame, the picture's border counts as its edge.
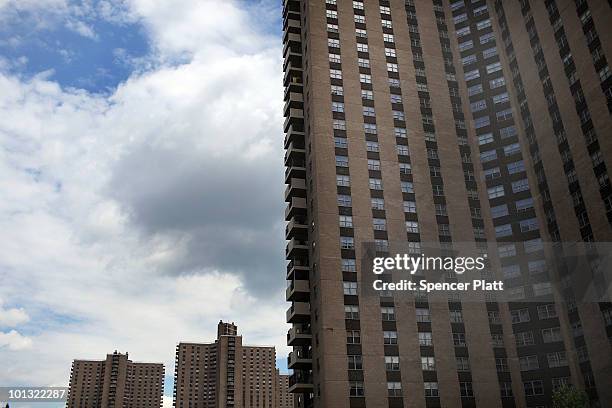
(582, 109)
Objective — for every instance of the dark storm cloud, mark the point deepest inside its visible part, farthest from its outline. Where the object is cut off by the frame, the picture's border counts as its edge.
(225, 211)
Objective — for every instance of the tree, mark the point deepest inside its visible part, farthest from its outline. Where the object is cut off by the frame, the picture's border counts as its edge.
(570, 397)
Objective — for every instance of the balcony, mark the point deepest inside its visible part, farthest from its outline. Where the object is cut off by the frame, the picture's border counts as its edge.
(292, 52)
(299, 312)
(294, 134)
(300, 383)
(298, 290)
(298, 337)
(296, 227)
(292, 25)
(294, 154)
(297, 206)
(298, 360)
(296, 270)
(296, 248)
(294, 117)
(295, 169)
(296, 188)
(295, 101)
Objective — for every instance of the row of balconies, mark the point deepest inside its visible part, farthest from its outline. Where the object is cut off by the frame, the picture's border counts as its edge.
(296, 231)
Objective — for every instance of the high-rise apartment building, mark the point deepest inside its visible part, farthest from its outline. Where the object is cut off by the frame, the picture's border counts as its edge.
(285, 398)
(115, 382)
(433, 121)
(225, 373)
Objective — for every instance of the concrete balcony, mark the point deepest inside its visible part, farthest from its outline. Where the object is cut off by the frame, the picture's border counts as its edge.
(295, 169)
(292, 25)
(299, 361)
(300, 383)
(297, 269)
(296, 228)
(298, 290)
(295, 117)
(297, 206)
(299, 312)
(298, 337)
(295, 100)
(293, 135)
(296, 188)
(294, 154)
(296, 248)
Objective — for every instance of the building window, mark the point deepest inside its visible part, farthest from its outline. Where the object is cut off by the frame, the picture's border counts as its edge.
(343, 180)
(344, 200)
(356, 389)
(524, 339)
(349, 265)
(347, 242)
(475, 89)
(472, 75)
(378, 204)
(412, 226)
(520, 185)
(529, 363)
(346, 221)
(342, 161)
(394, 389)
(428, 364)
(505, 389)
(501, 365)
(488, 155)
(423, 314)
(375, 184)
(495, 192)
(520, 315)
(463, 363)
(392, 363)
(390, 337)
(459, 339)
(355, 362)
(388, 313)
(380, 224)
(465, 389)
(534, 387)
(351, 312)
(350, 288)
(431, 389)
(516, 167)
(373, 164)
(353, 337)
(492, 173)
(557, 359)
(425, 338)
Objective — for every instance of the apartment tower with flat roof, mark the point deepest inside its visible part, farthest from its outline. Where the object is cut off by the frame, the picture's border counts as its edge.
(115, 382)
(474, 121)
(225, 373)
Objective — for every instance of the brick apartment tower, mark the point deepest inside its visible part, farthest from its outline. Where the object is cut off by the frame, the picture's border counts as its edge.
(115, 382)
(226, 373)
(482, 121)
(285, 398)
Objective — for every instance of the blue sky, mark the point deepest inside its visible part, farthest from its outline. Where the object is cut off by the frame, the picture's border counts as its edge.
(130, 133)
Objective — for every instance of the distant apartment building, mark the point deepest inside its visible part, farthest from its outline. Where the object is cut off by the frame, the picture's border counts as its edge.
(225, 373)
(115, 382)
(434, 121)
(285, 398)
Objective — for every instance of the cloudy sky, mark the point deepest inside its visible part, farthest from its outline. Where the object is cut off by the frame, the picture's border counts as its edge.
(141, 173)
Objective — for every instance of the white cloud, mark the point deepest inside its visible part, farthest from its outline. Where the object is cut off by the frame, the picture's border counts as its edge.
(14, 341)
(11, 317)
(93, 239)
